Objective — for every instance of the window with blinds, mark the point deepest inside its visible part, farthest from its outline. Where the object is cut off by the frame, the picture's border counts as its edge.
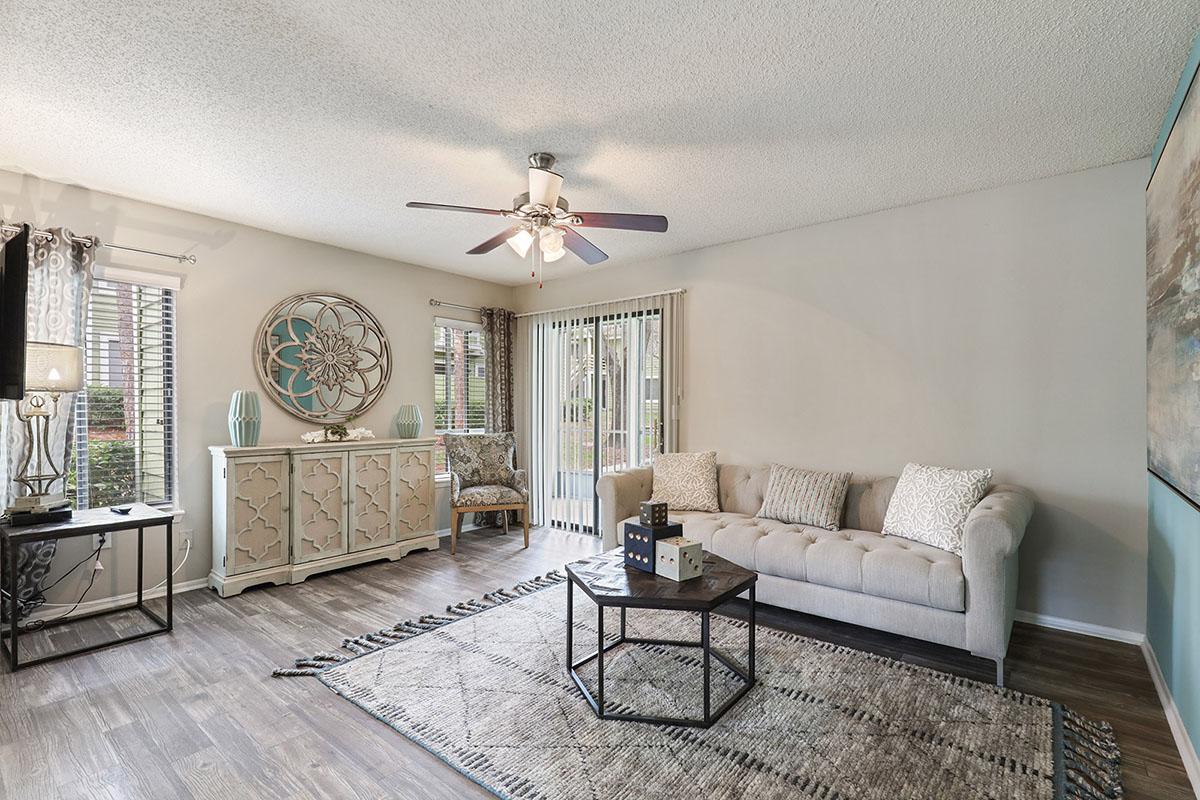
(125, 416)
(459, 383)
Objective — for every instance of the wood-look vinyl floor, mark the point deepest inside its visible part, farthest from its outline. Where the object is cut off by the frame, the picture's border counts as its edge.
(196, 714)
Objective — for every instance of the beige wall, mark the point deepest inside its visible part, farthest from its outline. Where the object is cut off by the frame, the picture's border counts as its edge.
(241, 273)
(1003, 328)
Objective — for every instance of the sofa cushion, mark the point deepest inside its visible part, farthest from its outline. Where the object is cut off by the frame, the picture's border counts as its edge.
(741, 489)
(805, 496)
(854, 560)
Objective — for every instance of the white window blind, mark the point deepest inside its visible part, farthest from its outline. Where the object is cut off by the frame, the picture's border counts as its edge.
(459, 383)
(125, 417)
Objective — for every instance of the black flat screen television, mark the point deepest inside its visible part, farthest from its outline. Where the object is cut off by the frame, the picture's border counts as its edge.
(14, 281)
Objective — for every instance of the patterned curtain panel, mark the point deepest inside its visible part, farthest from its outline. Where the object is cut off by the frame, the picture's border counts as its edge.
(60, 279)
(499, 327)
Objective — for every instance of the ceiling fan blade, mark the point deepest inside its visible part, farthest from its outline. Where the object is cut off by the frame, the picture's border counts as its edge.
(492, 243)
(653, 223)
(582, 247)
(469, 209)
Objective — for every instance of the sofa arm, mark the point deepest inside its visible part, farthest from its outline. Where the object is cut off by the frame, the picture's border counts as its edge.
(993, 532)
(620, 494)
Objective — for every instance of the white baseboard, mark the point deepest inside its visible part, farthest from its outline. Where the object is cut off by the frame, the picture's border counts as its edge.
(1187, 751)
(1074, 626)
(106, 603)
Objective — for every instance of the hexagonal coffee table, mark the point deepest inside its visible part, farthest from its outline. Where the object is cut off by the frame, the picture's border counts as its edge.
(607, 581)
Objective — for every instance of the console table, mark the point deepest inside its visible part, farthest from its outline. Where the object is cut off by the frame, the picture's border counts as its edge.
(284, 512)
(83, 523)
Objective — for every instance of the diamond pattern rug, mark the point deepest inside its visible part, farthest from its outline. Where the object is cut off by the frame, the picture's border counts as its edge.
(484, 687)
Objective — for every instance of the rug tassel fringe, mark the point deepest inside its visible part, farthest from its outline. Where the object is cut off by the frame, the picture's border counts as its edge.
(1092, 760)
(386, 637)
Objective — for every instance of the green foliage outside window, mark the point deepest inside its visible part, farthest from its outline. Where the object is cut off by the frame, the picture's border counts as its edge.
(112, 469)
(105, 408)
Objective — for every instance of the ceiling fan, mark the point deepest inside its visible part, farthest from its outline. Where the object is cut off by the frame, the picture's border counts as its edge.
(542, 215)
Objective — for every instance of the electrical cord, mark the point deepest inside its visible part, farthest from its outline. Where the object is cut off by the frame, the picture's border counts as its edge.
(94, 554)
(187, 552)
(38, 624)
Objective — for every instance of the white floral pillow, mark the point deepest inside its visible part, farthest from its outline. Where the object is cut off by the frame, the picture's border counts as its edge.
(931, 504)
(686, 481)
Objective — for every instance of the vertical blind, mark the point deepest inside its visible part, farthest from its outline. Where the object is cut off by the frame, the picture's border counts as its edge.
(604, 395)
(124, 426)
(459, 383)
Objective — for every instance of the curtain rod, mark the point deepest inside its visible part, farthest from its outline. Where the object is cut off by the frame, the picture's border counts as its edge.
(95, 242)
(603, 302)
(443, 304)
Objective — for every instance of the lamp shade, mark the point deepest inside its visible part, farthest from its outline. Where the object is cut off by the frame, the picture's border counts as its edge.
(520, 242)
(53, 367)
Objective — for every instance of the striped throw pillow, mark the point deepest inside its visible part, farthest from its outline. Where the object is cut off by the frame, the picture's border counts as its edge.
(805, 497)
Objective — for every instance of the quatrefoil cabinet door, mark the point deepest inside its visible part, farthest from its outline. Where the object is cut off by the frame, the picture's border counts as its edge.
(320, 505)
(257, 514)
(372, 498)
(414, 493)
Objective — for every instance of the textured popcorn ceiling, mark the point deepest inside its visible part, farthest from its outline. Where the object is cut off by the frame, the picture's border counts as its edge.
(734, 120)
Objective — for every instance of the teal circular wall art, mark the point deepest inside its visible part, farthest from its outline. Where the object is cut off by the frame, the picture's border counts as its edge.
(322, 357)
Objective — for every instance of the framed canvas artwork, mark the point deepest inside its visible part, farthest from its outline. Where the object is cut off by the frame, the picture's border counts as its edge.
(1173, 305)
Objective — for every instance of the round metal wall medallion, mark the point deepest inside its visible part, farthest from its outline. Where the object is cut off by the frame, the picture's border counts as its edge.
(322, 357)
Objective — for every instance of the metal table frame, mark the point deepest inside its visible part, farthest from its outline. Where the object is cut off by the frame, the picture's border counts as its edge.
(140, 518)
(705, 644)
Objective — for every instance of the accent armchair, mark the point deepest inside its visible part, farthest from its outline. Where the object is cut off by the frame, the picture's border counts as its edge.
(482, 478)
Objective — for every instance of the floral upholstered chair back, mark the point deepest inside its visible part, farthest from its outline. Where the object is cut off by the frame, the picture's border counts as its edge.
(484, 460)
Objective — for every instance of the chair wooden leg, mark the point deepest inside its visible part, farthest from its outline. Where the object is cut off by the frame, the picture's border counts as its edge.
(525, 520)
(505, 515)
(454, 517)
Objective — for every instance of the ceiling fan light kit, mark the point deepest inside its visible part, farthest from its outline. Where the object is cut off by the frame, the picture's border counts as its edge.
(543, 214)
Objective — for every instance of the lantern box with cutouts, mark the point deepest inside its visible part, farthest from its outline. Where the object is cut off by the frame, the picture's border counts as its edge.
(640, 541)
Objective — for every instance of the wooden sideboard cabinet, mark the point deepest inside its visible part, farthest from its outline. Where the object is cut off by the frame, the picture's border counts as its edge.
(282, 513)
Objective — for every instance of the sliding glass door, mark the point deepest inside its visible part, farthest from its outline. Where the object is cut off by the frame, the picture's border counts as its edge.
(598, 407)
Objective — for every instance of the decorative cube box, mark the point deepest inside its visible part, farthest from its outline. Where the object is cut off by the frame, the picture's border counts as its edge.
(640, 540)
(653, 514)
(678, 558)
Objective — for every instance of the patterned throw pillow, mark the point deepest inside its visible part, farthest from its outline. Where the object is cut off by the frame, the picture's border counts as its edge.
(686, 481)
(805, 497)
(931, 504)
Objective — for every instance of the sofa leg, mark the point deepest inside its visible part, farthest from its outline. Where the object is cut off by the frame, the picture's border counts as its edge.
(1000, 672)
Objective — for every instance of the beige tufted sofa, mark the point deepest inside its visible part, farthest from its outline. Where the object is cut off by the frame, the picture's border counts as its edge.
(856, 574)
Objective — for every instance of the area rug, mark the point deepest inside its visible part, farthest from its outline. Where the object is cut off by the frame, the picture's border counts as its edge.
(484, 687)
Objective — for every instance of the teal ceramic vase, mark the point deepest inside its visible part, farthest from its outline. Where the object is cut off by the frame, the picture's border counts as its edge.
(245, 418)
(407, 422)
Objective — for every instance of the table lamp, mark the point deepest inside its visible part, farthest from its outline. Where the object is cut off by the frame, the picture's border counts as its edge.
(50, 370)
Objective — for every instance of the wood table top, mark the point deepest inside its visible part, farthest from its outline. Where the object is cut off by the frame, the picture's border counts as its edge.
(607, 580)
